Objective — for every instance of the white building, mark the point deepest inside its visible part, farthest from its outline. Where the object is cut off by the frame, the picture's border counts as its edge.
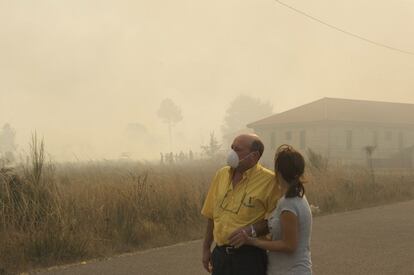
(340, 129)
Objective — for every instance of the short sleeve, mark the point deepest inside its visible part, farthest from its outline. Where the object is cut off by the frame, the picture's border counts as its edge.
(208, 206)
(289, 205)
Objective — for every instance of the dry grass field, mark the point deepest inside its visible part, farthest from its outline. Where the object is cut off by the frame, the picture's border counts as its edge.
(57, 213)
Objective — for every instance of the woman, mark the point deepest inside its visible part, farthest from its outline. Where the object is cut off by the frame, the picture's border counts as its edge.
(290, 223)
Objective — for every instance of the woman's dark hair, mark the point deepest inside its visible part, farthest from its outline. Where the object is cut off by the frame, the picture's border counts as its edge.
(291, 166)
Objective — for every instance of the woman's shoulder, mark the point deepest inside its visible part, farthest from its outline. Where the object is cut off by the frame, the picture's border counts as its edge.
(296, 198)
(297, 205)
(291, 199)
(294, 201)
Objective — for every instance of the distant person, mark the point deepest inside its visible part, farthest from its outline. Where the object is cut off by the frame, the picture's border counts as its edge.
(181, 156)
(291, 222)
(240, 194)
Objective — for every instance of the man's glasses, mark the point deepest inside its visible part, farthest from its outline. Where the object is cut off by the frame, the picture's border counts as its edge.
(226, 201)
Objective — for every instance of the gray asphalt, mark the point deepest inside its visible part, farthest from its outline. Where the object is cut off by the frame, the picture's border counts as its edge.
(377, 240)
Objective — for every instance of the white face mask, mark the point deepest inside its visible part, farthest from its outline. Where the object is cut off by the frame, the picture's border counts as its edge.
(233, 159)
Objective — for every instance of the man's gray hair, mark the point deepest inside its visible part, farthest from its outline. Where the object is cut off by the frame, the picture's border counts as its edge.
(257, 146)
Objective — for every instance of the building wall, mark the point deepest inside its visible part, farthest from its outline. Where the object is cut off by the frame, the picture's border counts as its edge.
(388, 140)
(300, 136)
(339, 142)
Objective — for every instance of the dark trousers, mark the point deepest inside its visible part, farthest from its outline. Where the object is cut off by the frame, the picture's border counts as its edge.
(246, 260)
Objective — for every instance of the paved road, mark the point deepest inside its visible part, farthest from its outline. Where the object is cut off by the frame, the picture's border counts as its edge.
(376, 241)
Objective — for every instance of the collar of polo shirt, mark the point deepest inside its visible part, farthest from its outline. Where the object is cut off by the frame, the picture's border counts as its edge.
(248, 172)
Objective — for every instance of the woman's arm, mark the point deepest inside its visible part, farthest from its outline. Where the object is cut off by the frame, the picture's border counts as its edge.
(289, 241)
(260, 228)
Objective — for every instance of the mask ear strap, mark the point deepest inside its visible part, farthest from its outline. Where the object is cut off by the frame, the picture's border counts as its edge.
(245, 157)
(249, 154)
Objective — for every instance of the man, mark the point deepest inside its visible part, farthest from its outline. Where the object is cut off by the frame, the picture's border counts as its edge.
(241, 195)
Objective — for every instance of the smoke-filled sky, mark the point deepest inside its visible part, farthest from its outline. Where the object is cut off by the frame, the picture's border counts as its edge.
(78, 72)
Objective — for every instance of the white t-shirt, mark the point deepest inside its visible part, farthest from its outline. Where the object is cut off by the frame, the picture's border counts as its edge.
(299, 262)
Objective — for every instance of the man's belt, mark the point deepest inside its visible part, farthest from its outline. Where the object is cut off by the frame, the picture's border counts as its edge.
(230, 250)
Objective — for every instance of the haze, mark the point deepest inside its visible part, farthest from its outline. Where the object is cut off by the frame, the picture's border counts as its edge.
(79, 72)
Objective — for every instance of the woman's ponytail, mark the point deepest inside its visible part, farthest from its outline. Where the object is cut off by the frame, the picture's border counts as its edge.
(291, 166)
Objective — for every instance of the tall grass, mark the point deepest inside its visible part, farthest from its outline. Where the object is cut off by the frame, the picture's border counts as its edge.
(55, 213)
(351, 187)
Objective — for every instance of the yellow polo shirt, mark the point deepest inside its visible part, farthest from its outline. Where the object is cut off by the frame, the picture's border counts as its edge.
(253, 198)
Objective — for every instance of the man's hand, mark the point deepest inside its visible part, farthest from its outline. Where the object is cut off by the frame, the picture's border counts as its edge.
(239, 237)
(207, 260)
(208, 240)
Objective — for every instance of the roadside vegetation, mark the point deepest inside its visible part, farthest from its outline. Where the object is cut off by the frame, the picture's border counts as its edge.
(54, 213)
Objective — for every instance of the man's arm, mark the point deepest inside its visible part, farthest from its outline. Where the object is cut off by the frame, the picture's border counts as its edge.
(208, 240)
(208, 212)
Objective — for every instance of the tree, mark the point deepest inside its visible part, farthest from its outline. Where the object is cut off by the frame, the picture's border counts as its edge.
(170, 114)
(243, 110)
(213, 148)
(369, 151)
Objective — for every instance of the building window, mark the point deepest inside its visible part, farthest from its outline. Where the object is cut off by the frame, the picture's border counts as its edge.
(272, 140)
(288, 135)
(302, 139)
(349, 140)
(388, 135)
(400, 140)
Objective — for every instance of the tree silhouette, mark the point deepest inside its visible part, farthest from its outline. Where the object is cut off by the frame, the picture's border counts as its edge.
(212, 149)
(243, 110)
(369, 151)
(170, 114)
